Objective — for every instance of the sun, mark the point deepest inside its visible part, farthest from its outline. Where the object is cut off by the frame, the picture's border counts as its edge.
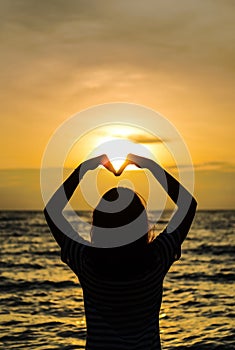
(117, 163)
(117, 151)
(116, 141)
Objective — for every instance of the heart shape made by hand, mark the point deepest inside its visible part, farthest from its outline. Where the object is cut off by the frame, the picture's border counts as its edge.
(109, 166)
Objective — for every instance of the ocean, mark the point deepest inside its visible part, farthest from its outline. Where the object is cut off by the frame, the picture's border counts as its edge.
(42, 301)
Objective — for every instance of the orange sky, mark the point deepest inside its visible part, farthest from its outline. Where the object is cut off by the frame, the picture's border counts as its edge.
(60, 57)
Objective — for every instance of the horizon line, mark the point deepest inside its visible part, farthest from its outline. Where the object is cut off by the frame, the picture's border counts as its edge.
(38, 210)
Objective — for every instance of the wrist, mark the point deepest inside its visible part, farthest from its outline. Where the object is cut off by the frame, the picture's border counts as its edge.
(81, 170)
(149, 164)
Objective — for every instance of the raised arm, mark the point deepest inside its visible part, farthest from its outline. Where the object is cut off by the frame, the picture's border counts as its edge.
(54, 208)
(186, 203)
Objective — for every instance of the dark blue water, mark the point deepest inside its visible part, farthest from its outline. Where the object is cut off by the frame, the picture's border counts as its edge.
(42, 304)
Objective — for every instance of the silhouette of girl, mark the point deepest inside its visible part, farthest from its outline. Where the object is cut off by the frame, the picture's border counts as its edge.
(122, 286)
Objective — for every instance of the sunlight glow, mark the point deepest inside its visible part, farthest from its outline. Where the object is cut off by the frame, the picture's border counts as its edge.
(117, 151)
(117, 163)
(114, 140)
(116, 131)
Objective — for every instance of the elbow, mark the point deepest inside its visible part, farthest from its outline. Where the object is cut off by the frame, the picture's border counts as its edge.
(49, 209)
(46, 210)
(51, 213)
(46, 214)
(193, 205)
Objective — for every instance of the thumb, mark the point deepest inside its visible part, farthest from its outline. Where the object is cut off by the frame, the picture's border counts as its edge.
(108, 165)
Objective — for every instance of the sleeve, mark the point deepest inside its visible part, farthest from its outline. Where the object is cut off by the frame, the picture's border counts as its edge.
(70, 249)
(71, 253)
(169, 247)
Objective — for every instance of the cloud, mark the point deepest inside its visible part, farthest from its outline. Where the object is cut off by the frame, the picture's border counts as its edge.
(130, 133)
(204, 166)
(144, 139)
(58, 57)
(54, 44)
(81, 31)
(215, 165)
(212, 166)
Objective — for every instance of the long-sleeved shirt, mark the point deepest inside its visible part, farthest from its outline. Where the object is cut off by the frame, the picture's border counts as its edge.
(122, 310)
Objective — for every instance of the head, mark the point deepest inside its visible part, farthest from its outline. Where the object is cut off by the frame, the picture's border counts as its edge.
(119, 219)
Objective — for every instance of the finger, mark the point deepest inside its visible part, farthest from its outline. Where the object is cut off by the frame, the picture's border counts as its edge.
(93, 163)
(108, 165)
(124, 165)
(133, 159)
(122, 168)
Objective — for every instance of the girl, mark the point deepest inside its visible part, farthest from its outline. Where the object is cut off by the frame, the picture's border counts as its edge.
(122, 285)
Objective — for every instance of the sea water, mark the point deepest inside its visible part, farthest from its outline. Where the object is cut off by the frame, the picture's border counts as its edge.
(42, 301)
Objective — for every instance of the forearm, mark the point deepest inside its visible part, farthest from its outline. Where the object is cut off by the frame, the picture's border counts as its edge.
(177, 192)
(53, 210)
(64, 193)
(167, 181)
(186, 203)
(61, 197)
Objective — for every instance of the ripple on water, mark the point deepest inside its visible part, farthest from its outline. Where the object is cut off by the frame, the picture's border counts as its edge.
(41, 305)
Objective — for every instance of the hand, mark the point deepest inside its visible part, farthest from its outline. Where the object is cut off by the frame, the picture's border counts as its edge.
(139, 162)
(93, 163)
(107, 164)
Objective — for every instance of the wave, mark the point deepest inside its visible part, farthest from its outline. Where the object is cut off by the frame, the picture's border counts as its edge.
(26, 266)
(9, 286)
(205, 346)
(42, 304)
(201, 276)
(213, 249)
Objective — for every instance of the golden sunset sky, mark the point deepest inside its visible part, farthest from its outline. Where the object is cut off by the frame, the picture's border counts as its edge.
(59, 57)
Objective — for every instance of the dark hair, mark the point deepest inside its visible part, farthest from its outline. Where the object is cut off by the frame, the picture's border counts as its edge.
(120, 221)
(120, 218)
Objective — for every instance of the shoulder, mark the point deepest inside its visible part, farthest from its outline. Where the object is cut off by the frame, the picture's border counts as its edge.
(71, 253)
(168, 246)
